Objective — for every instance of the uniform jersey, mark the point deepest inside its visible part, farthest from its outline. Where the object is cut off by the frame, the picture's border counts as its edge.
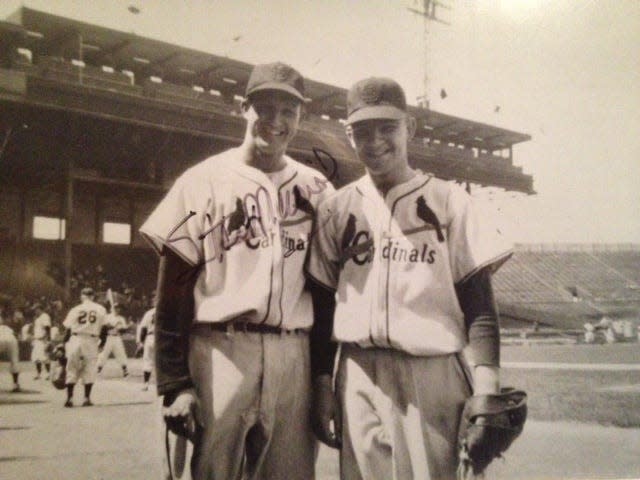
(86, 318)
(115, 323)
(148, 321)
(6, 333)
(394, 262)
(243, 232)
(39, 326)
(25, 331)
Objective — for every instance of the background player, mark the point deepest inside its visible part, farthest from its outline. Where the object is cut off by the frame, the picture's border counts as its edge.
(115, 325)
(408, 261)
(146, 342)
(83, 323)
(233, 232)
(9, 349)
(41, 339)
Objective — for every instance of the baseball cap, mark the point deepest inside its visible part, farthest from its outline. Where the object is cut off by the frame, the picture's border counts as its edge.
(87, 291)
(276, 76)
(375, 97)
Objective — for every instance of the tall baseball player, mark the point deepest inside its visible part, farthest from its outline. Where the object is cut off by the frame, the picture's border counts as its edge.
(115, 325)
(41, 338)
(400, 275)
(233, 232)
(146, 342)
(9, 351)
(83, 323)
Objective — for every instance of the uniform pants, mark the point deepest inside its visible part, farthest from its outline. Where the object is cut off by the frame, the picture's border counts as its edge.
(400, 414)
(148, 353)
(39, 351)
(113, 345)
(9, 351)
(255, 392)
(82, 354)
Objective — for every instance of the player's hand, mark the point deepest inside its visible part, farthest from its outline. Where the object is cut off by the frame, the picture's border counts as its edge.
(139, 350)
(181, 414)
(325, 412)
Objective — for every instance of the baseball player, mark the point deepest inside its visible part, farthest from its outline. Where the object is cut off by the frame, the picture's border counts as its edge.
(233, 232)
(41, 339)
(9, 351)
(115, 325)
(146, 342)
(83, 323)
(400, 274)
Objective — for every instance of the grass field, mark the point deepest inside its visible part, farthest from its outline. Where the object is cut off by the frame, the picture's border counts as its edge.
(602, 397)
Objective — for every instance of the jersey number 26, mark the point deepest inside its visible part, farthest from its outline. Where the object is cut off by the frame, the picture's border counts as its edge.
(82, 317)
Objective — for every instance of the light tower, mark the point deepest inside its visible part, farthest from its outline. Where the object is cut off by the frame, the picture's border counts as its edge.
(429, 13)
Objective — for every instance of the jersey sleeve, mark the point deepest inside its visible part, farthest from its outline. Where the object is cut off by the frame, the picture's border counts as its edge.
(177, 221)
(475, 241)
(323, 264)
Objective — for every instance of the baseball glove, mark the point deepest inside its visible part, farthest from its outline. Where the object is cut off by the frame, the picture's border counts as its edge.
(59, 367)
(59, 375)
(489, 425)
(57, 352)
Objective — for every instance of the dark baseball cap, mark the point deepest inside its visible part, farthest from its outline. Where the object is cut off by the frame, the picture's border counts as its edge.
(375, 97)
(276, 76)
(88, 291)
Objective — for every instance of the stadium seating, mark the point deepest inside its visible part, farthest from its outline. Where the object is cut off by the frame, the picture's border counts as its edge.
(568, 288)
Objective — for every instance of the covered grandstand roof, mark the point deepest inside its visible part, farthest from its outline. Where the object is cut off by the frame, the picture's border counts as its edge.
(50, 35)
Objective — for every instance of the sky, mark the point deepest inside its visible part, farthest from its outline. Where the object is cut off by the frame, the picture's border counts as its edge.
(566, 72)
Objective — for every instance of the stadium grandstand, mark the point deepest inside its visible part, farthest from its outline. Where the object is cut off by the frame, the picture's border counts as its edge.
(96, 124)
(563, 287)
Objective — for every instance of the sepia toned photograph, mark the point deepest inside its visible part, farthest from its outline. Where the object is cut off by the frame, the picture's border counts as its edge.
(355, 240)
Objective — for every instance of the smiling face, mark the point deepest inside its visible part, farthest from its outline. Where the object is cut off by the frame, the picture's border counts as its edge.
(381, 144)
(272, 118)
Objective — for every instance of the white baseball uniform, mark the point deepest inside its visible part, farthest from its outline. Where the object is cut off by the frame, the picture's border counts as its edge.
(113, 343)
(148, 321)
(85, 322)
(9, 347)
(249, 235)
(25, 331)
(393, 262)
(40, 339)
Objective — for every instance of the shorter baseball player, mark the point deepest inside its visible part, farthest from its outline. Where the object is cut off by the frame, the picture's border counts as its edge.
(115, 325)
(400, 273)
(41, 339)
(9, 351)
(83, 323)
(146, 342)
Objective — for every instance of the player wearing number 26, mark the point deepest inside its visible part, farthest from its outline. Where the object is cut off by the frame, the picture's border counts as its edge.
(83, 323)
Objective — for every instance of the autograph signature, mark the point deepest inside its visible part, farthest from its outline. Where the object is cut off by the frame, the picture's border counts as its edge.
(254, 219)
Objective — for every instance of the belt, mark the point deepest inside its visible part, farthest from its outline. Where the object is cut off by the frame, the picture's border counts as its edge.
(235, 326)
(85, 335)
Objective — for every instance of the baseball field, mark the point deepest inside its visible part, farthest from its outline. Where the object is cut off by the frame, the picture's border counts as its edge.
(584, 421)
